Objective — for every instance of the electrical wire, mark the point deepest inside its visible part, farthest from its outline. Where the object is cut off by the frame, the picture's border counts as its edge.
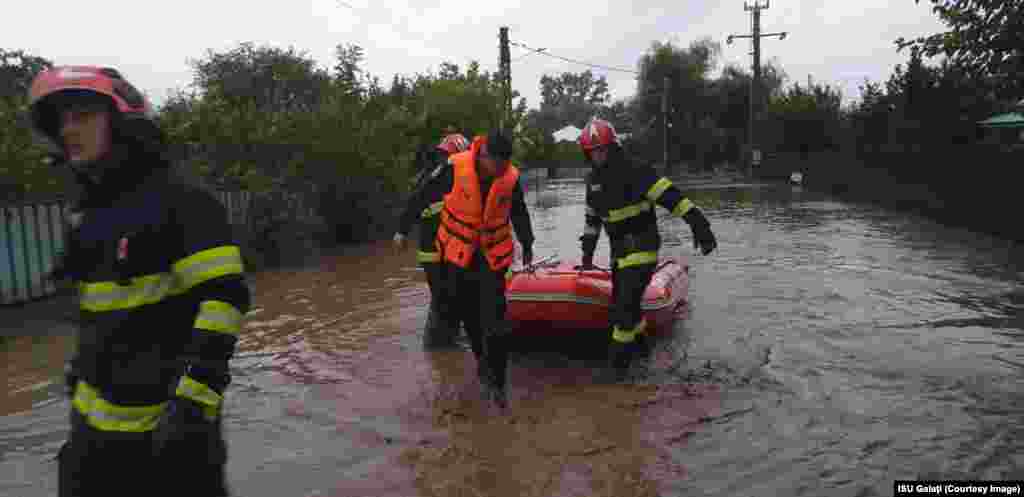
(543, 51)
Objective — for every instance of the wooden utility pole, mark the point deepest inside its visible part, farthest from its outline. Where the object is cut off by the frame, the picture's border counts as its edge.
(664, 122)
(505, 69)
(756, 95)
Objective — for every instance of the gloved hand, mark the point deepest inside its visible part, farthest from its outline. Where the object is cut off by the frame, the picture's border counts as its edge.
(527, 256)
(399, 241)
(588, 263)
(703, 238)
(184, 433)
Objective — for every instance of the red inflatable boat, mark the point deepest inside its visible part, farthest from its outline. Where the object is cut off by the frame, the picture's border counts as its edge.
(556, 296)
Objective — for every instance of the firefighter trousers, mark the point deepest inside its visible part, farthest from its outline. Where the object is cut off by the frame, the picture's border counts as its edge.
(442, 327)
(628, 287)
(477, 298)
(114, 464)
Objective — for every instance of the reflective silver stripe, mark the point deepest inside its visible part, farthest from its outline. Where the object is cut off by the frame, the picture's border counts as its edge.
(208, 264)
(591, 230)
(658, 188)
(209, 269)
(682, 207)
(111, 296)
(628, 212)
(107, 416)
(210, 400)
(219, 317)
(591, 212)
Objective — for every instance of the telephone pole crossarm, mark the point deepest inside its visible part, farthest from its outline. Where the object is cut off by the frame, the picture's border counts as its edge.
(755, 81)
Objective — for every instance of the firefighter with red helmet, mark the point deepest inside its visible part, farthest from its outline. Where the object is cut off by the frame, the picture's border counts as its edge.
(161, 292)
(621, 197)
(426, 203)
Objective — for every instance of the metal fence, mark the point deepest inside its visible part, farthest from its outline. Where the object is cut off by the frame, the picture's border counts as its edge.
(31, 236)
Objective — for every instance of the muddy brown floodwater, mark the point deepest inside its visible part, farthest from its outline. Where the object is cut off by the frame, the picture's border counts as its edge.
(830, 349)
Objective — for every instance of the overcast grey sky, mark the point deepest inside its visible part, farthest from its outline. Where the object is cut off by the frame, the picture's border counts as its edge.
(835, 41)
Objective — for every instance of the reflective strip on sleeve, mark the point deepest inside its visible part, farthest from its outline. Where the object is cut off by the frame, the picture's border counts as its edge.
(628, 212)
(107, 416)
(682, 207)
(219, 317)
(589, 230)
(638, 258)
(427, 257)
(432, 210)
(629, 335)
(659, 187)
(209, 400)
(112, 296)
(207, 265)
(623, 336)
(591, 212)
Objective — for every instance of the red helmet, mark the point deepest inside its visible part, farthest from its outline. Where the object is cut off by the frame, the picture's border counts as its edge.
(454, 143)
(598, 133)
(70, 81)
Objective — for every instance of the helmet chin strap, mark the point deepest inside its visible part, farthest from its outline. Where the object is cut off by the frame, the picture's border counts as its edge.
(93, 170)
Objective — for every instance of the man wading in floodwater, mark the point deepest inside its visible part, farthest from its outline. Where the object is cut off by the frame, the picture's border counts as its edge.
(484, 202)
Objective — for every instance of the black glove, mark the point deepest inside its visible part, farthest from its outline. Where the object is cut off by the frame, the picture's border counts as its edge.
(185, 434)
(703, 238)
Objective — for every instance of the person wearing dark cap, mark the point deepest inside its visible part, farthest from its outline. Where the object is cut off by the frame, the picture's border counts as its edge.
(485, 204)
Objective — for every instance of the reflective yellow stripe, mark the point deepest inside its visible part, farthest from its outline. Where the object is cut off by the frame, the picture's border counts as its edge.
(659, 187)
(219, 317)
(638, 258)
(627, 336)
(112, 296)
(432, 210)
(682, 207)
(207, 265)
(623, 336)
(209, 400)
(589, 230)
(628, 212)
(427, 257)
(107, 416)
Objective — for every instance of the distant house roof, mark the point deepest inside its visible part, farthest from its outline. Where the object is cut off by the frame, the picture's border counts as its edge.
(1009, 120)
(569, 133)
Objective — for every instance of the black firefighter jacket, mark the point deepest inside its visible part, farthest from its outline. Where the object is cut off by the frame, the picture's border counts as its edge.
(161, 295)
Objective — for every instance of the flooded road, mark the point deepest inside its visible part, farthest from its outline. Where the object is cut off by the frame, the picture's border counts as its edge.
(830, 349)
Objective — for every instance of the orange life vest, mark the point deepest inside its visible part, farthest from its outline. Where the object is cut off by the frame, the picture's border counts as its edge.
(467, 222)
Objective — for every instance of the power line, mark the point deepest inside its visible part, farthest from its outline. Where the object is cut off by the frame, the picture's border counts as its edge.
(525, 55)
(543, 51)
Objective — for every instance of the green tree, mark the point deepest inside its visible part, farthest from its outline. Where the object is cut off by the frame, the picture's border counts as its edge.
(809, 118)
(22, 170)
(985, 39)
(690, 96)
